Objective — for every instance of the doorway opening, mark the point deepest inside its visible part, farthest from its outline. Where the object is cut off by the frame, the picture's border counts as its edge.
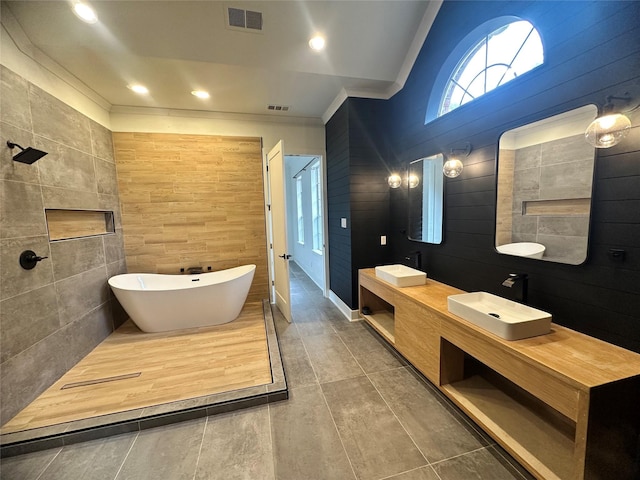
(296, 206)
(306, 214)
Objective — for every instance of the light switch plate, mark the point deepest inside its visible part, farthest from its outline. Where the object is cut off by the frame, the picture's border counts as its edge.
(343, 222)
(383, 240)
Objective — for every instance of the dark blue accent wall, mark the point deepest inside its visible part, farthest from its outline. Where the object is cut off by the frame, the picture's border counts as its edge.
(592, 50)
(338, 204)
(357, 190)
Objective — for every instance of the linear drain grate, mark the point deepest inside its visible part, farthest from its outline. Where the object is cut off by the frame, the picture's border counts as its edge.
(100, 380)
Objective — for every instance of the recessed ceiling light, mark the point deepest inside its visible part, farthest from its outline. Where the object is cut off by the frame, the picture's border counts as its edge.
(200, 94)
(317, 43)
(141, 89)
(84, 12)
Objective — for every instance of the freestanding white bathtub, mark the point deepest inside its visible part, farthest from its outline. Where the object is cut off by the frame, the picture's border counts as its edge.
(159, 302)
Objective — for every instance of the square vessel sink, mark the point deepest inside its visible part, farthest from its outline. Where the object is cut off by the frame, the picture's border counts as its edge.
(505, 318)
(401, 275)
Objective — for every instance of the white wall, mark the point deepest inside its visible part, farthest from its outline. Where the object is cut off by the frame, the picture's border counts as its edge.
(311, 262)
(19, 55)
(300, 136)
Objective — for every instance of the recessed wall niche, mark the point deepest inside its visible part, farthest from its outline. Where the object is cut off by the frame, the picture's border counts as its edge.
(63, 224)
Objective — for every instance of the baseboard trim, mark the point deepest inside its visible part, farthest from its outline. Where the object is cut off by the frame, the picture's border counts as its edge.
(351, 315)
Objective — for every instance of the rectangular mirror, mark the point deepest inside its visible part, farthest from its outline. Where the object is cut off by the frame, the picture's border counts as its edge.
(426, 195)
(544, 181)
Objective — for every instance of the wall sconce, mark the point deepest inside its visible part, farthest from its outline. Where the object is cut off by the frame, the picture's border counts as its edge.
(610, 128)
(453, 166)
(394, 180)
(27, 155)
(414, 180)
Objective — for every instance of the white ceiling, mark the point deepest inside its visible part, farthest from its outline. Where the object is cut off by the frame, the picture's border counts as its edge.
(174, 47)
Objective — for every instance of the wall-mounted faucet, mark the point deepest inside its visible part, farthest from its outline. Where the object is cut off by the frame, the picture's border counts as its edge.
(521, 282)
(414, 259)
(29, 259)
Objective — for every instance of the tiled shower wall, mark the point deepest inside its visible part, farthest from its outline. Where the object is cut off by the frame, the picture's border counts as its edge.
(53, 315)
(559, 169)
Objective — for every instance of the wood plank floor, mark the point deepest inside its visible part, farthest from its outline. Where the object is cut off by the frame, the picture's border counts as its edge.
(172, 365)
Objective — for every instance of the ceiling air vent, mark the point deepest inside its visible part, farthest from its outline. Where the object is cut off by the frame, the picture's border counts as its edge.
(278, 108)
(247, 20)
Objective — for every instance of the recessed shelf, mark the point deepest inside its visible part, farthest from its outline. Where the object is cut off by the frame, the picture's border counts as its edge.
(534, 433)
(561, 207)
(380, 314)
(64, 224)
(383, 323)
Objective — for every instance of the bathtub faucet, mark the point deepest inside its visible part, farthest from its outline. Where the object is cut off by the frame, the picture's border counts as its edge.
(194, 270)
(520, 280)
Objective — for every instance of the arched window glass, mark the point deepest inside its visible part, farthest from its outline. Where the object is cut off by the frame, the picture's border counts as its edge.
(497, 58)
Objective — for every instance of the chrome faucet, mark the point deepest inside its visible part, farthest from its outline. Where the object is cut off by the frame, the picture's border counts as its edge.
(520, 279)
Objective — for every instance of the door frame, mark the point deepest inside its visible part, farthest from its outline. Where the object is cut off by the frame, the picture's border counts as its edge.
(277, 208)
(269, 226)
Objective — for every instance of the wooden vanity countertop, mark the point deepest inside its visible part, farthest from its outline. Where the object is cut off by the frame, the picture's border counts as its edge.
(579, 359)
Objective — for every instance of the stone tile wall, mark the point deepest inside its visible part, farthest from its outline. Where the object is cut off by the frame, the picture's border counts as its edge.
(53, 315)
(555, 170)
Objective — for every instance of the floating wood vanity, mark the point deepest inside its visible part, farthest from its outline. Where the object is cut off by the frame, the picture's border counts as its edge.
(565, 405)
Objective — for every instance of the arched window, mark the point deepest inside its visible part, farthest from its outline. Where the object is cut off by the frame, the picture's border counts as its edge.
(492, 55)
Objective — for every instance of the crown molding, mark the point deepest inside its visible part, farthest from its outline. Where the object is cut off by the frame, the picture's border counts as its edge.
(24, 45)
(241, 117)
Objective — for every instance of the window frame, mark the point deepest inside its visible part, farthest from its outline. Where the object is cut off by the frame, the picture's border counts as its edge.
(299, 211)
(460, 51)
(317, 225)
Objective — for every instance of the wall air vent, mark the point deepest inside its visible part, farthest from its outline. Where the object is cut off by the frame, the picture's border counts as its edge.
(278, 108)
(254, 20)
(246, 20)
(236, 18)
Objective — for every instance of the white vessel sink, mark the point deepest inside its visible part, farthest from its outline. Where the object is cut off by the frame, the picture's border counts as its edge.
(523, 249)
(505, 318)
(401, 275)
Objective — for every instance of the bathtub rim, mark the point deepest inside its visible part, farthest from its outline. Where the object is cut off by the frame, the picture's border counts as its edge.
(180, 279)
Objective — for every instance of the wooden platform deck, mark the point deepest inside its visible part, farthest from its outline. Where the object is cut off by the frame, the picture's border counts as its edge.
(131, 369)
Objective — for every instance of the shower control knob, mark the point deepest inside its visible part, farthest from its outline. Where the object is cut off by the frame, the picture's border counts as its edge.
(29, 259)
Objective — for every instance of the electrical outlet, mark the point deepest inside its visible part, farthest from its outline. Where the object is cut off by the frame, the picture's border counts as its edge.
(383, 240)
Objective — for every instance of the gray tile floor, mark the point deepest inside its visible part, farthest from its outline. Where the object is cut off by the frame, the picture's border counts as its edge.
(356, 411)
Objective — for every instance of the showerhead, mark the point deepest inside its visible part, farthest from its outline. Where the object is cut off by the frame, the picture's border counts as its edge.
(27, 155)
